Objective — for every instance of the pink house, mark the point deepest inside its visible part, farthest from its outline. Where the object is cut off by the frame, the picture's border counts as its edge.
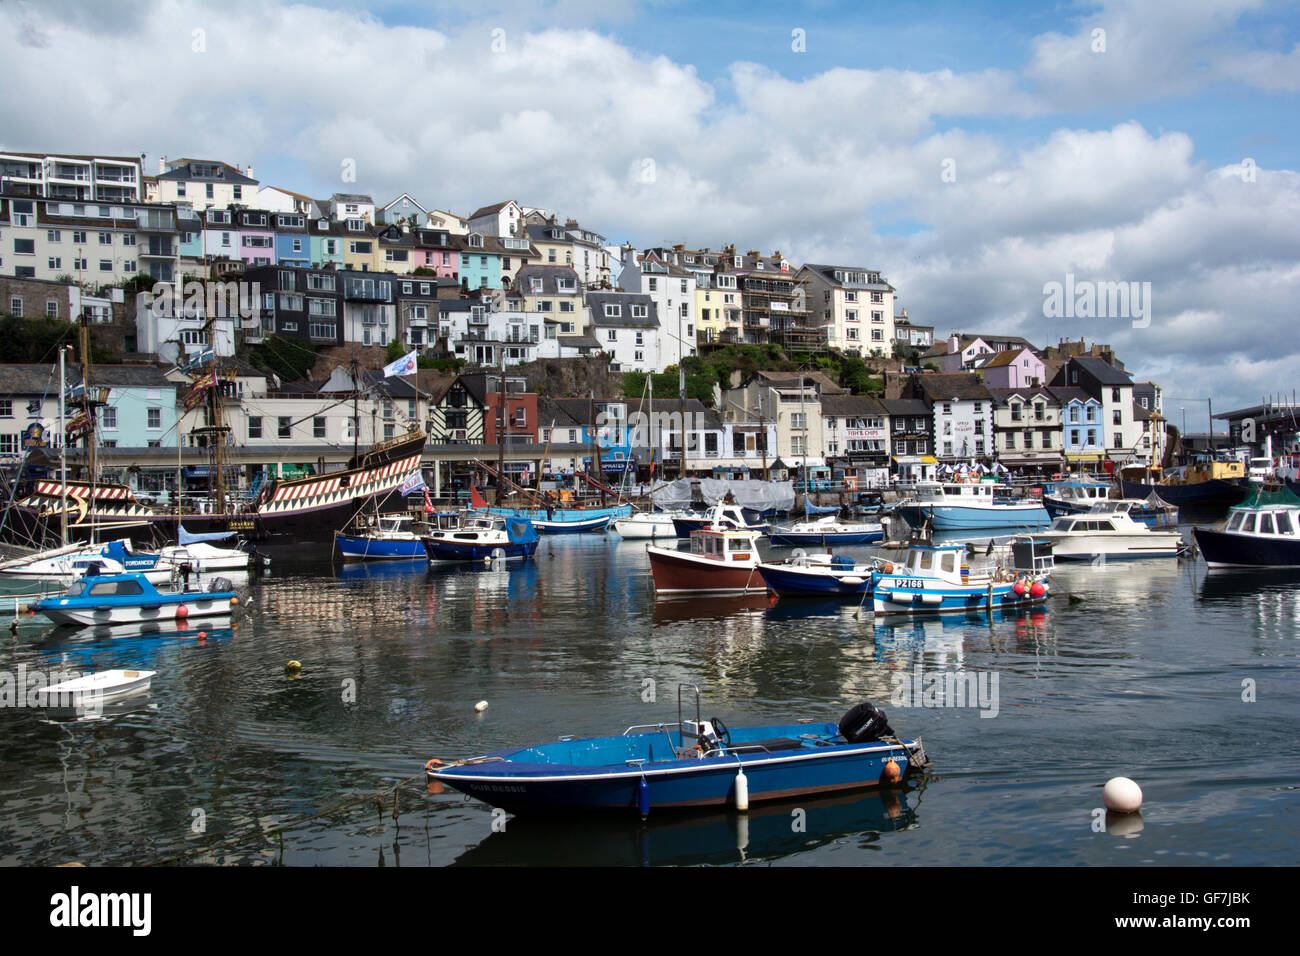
(433, 250)
(1013, 368)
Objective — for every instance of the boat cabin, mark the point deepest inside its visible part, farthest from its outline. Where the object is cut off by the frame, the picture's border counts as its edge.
(1081, 495)
(725, 546)
(982, 491)
(1265, 522)
(946, 563)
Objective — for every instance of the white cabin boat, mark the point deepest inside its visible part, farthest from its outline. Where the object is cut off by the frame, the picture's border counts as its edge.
(1108, 531)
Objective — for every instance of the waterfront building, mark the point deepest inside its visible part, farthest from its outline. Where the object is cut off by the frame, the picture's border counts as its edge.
(854, 305)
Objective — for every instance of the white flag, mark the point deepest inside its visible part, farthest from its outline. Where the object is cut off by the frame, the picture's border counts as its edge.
(403, 366)
(412, 484)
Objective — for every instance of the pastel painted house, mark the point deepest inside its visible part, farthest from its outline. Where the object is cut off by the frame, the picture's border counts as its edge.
(1013, 368)
(326, 238)
(1083, 427)
(292, 245)
(256, 237)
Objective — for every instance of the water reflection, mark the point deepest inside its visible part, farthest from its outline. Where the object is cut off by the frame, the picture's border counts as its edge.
(769, 831)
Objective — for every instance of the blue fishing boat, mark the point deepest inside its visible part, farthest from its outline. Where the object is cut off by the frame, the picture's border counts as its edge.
(596, 525)
(938, 578)
(130, 598)
(392, 537)
(690, 763)
(562, 515)
(971, 506)
(818, 575)
(826, 532)
(483, 536)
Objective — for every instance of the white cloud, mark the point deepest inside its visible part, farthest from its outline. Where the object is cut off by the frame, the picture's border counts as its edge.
(824, 168)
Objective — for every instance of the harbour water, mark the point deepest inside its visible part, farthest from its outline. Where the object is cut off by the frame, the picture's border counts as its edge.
(1186, 681)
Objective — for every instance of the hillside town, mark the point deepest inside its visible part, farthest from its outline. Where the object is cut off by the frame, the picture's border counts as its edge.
(528, 330)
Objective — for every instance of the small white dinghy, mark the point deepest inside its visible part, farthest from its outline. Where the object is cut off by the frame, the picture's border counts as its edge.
(97, 688)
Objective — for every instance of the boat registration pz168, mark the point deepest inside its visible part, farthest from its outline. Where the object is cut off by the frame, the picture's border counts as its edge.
(915, 583)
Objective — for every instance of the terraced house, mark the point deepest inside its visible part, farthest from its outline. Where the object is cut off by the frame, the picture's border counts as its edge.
(853, 305)
(80, 178)
(94, 243)
(204, 183)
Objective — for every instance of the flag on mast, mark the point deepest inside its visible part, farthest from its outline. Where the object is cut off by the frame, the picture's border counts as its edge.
(406, 365)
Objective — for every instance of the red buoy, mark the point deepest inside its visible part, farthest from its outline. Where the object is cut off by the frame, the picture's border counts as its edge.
(182, 612)
(1038, 590)
(1019, 588)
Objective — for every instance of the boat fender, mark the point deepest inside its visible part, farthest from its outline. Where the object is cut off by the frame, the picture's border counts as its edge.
(182, 612)
(864, 723)
(1019, 588)
(891, 772)
(643, 797)
(742, 791)
(887, 568)
(1038, 589)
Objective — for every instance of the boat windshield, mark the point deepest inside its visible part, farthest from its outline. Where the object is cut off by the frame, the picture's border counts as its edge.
(77, 590)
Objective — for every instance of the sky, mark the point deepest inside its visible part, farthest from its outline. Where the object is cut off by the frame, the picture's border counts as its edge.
(974, 153)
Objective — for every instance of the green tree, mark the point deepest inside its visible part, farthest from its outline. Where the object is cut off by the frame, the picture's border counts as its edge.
(290, 359)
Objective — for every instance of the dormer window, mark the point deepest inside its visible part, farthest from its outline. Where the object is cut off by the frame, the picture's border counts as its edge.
(476, 241)
(323, 225)
(613, 311)
(356, 225)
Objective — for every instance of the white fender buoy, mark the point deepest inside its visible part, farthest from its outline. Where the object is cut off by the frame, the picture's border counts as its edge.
(481, 706)
(1122, 795)
(742, 791)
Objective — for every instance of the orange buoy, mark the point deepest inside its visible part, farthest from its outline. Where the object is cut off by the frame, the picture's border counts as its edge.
(888, 568)
(182, 612)
(234, 601)
(892, 773)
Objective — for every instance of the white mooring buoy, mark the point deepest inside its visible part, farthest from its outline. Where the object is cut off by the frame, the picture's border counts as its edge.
(1122, 795)
(481, 706)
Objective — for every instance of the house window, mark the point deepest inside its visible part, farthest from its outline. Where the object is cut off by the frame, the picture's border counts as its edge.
(318, 427)
(154, 418)
(255, 427)
(284, 430)
(109, 417)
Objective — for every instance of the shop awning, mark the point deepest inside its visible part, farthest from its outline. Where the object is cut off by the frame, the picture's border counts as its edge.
(1083, 456)
(915, 460)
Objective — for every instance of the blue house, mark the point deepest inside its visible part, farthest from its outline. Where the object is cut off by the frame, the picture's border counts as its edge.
(292, 243)
(1083, 427)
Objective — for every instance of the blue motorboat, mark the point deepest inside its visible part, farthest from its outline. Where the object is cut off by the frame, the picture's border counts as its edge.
(482, 536)
(827, 532)
(818, 575)
(690, 763)
(130, 598)
(938, 578)
(596, 525)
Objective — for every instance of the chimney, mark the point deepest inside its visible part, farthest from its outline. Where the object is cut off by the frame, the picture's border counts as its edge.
(249, 172)
(571, 224)
(162, 165)
(954, 343)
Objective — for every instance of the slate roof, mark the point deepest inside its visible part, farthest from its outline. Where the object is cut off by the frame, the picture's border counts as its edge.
(828, 273)
(851, 406)
(549, 276)
(1102, 371)
(959, 386)
(597, 301)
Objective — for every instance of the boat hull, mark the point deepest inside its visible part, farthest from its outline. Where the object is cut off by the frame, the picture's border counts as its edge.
(677, 571)
(1213, 493)
(584, 526)
(476, 550)
(644, 530)
(894, 594)
(1117, 547)
(803, 539)
(183, 608)
(361, 548)
(1223, 550)
(810, 582)
(966, 518)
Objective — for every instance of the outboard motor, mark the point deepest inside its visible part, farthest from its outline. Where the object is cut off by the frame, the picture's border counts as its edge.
(864, 723)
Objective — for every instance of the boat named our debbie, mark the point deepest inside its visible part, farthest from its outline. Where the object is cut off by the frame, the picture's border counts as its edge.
(937, 578)
(688, 764)
(130, 598)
